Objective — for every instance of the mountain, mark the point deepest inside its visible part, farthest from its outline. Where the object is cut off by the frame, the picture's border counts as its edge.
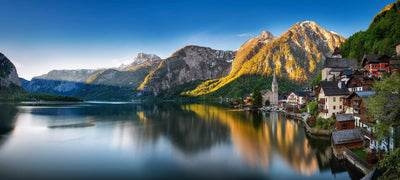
(381, 36)
(297, 55)
(191, 63)
(8, 73)
(114, 85)
(10, 86)
(59, 82)
(140, 59)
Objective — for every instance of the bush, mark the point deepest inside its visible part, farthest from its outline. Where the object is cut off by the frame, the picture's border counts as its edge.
(320, 121)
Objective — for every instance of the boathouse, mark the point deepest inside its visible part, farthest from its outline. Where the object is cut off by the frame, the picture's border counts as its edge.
(349, 138)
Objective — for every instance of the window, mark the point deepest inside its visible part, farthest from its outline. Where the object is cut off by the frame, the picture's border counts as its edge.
(334, 99)
(340, 106)
(344, 126)
(373, 72)
(374, 66)
(340, 99)
(386, 65)
(334, 107)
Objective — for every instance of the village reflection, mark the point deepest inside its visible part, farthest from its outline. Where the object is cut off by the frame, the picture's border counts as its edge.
(259, 136)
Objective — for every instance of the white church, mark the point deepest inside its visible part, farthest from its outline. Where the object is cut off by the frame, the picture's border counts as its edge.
(271, 96)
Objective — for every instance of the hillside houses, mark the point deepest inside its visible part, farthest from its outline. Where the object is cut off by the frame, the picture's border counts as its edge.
(333, 66)
(376, 64)
(330, 98)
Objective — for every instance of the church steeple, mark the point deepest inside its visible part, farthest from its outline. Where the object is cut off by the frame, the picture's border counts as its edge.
(274, 88)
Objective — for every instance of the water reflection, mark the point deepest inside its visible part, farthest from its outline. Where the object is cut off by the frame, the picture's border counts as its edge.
(8, 114)
(257, 136)
(149, 141)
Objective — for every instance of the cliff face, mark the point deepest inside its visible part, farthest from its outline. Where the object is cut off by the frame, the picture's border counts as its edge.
(186, 65)
(59, 82)
(297, 55)
(8, 73)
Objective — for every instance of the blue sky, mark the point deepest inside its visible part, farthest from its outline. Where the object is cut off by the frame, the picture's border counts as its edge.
(39, 36)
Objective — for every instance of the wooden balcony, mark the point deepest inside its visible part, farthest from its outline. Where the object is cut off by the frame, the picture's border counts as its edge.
(321, 101)
(323, 110)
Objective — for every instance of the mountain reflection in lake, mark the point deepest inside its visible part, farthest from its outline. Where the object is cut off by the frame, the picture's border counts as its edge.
(125, 141)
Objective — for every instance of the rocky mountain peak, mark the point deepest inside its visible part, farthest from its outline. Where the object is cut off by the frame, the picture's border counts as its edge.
(8, 72)
(266, 36)
(140, 59)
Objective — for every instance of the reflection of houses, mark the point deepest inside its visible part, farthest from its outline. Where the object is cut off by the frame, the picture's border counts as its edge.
(349, 138)
(359, 83)
(272, 96)
(376, 65)
(330, 98)
(344, 121)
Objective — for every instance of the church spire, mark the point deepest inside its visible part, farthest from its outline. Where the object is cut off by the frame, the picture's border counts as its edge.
(274, 88)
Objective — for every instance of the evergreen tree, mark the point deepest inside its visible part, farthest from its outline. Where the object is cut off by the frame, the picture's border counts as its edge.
(257, 97)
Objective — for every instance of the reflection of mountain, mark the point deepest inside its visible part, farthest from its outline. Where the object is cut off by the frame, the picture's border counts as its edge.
(257, 136)
(7, 118)
(185, 131)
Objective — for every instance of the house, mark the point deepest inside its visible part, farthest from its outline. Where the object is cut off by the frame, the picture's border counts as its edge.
(337, 64)
(395, 61)
(359, 111)
(330, 97)
(349, 138)
(346, 74)
(376, 65)
(300, 97)
(344, 121)
(359, 83)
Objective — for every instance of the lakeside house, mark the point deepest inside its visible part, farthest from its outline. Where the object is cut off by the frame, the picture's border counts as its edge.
(376, 64)
(330, 96)
(300, 98)
(349, 138)
(344, 121)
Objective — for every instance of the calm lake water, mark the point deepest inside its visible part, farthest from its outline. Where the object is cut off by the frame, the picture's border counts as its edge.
(126, 141)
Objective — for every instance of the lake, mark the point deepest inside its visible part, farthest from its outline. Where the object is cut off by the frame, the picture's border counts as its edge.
(128, 141)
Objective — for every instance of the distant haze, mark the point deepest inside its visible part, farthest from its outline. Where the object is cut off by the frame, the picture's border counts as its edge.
(39, 36)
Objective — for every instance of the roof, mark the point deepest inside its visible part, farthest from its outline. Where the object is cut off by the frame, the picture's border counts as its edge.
(302, 93)
(365, 93)
(265, 91)
(347, 136)
(331, 88)
(341, 63)
(347, 72)
(358, 77)
(344, 117)
(375, 58)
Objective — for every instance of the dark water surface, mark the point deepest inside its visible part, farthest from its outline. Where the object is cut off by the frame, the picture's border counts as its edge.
(130, 141)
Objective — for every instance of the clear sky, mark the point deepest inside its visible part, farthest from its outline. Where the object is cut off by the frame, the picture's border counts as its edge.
(38, 36)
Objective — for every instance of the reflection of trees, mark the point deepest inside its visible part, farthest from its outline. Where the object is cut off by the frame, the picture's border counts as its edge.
(257, 135)
(7, 118)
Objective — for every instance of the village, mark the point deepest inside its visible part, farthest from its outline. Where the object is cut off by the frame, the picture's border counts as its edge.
(336, 107)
